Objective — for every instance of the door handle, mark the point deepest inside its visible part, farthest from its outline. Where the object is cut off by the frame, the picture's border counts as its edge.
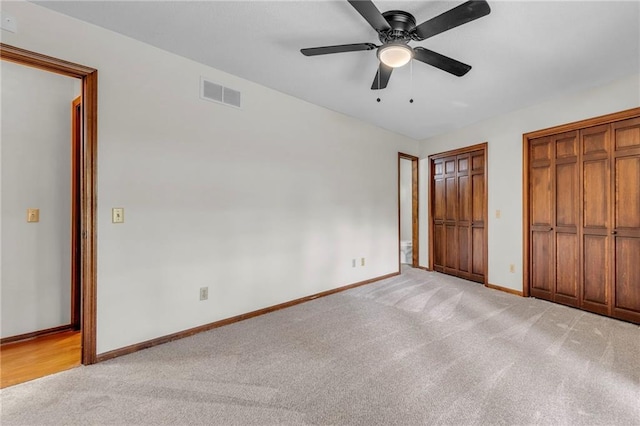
(614, 232)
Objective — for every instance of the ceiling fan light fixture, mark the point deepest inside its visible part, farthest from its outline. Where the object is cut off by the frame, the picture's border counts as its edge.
(395, 55)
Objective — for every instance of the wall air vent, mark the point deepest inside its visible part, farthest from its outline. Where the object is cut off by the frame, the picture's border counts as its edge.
(215, 92)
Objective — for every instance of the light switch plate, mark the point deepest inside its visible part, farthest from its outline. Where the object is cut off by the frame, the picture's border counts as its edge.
(33, 215)
(117, 215)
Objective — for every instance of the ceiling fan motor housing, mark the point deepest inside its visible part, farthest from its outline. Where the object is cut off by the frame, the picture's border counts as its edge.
(402, 24)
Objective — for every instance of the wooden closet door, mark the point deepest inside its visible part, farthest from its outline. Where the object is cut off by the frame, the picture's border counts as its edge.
(458, 214)
(450, 216)
(626, 220)
(542, 213)
(595, 147)
(566, 218)
(438, 197)
(554, 200)
(478, 212)
(463, 219)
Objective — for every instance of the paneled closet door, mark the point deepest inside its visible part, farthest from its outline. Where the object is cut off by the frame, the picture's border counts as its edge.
(567, 193)
(554, 200)
(478, 209)
(458, 215)
(542, 213)
(595, 145)
(626, 220)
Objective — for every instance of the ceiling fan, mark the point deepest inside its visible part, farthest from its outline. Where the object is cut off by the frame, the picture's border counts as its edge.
(396, 28)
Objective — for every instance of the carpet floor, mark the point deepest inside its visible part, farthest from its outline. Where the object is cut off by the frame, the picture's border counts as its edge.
(420, 348)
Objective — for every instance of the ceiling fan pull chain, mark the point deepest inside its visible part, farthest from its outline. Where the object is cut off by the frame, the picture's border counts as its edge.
(411, 82)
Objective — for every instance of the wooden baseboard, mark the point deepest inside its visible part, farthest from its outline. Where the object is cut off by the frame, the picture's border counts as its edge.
(424, 268)
(34, 334)
(206, 327)
(506, 290)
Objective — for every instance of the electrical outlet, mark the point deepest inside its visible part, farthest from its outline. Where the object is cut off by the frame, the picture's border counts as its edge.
(512, 268)
(353, 263)
(33, 215)
(498, 214)
(204, 293)
(362, 261)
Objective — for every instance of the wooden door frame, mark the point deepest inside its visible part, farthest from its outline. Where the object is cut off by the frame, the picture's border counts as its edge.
(478, 147)
(415, 178)
(88, 194)
(569, 127)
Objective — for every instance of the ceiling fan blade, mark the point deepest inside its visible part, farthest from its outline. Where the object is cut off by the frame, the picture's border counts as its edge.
(457, 16)
(371, 14)
(440, 61)
(382, 77)
(325, 50)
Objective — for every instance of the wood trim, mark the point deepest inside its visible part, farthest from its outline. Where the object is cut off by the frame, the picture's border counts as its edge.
(484, 146)
(89, 227)
(504, 289)
(206, 327)
(424, 268)
(415, 229)
(589, 122)
(525, 215)
(89, 77)
(459, 151)
(43, 62)
(34, 334)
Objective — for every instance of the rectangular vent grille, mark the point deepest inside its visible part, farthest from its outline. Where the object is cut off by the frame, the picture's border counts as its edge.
(214, 92)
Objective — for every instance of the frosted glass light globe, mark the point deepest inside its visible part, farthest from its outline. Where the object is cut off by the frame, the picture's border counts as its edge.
(395, 55)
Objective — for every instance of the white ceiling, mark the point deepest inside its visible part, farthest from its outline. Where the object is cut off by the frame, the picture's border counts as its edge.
(522, 53)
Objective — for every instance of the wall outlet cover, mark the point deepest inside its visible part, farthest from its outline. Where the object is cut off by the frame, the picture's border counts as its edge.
(204, 293)
(33, 215)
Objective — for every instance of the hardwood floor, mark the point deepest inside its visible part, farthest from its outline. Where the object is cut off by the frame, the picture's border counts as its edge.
(39, 357)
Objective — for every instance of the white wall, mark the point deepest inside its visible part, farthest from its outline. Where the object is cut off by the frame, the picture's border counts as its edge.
(504, 135)
(35, 171)
(262, 205)
(406, 227)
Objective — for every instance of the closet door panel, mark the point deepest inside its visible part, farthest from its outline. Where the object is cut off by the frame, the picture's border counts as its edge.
(595, 192)
(464, 249)
(438, 247)
(438, 209)
(451, 197)
(451, 247)
(627, 134)
(566, 194)
(627, 181)
(477, 188)
(477, 267)
(464, 199)
(567, 268)
(627, 274)
(596, 270)
(541, 196)
(541, 270)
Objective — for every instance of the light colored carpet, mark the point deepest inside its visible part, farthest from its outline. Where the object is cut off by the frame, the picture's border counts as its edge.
(420, 348)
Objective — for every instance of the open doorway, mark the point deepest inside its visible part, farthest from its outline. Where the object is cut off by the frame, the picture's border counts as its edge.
(51, 213)
(408, 252)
